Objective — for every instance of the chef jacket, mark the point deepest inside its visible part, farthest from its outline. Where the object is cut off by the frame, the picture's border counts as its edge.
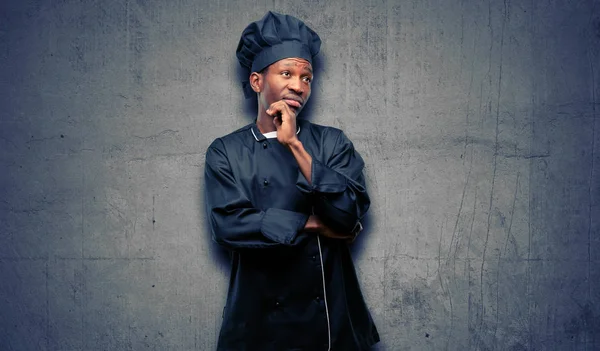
(289, 289)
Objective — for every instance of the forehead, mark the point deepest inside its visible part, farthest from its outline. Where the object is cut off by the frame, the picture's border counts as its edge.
(295, 62)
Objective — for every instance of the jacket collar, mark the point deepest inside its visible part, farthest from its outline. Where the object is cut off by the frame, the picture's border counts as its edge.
(258, 136)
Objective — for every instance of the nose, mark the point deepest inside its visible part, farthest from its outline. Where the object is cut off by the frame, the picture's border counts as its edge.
(296, 86)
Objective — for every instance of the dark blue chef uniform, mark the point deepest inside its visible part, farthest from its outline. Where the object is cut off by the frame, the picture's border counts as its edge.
(289, 289)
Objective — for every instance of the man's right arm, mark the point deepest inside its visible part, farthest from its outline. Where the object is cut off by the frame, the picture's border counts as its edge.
(235, 223)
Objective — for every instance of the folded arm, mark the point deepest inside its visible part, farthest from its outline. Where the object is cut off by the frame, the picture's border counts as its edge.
(235, 223)
(340, 197)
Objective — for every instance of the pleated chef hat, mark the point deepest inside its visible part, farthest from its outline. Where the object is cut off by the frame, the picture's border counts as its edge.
(273, 38)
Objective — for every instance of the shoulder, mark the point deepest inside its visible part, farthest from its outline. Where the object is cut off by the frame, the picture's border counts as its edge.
(325, 133)
(239, 136)
(328, 137)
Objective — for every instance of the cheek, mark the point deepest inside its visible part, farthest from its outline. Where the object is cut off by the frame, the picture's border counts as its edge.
(273, 93)
(267, 93)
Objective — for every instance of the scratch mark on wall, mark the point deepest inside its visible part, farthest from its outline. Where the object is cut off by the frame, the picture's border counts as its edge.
(458, 215)
(512, 213)
(153, 218)
(532, 22)
(83, 302)
(526, 157)
(445, 290)
(165, 155)
(591, 180)
(498, 270)
(160, 134)
(47, 293)
(468, 266)
(487, 236)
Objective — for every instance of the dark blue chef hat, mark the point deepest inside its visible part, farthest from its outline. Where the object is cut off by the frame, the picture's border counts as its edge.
(273, 38)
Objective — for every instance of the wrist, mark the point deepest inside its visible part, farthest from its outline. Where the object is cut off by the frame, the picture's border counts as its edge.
(312, 224)
(294, 143)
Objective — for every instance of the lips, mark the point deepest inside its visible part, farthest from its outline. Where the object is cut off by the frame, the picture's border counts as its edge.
(293, 102)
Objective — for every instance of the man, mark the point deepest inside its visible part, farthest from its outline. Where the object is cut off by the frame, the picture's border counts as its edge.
(285, 196)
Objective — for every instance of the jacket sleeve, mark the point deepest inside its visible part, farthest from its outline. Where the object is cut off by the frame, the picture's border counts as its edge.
(235, 223)
(340, 197)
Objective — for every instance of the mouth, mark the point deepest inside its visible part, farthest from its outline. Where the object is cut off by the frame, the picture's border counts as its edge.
(293, 102)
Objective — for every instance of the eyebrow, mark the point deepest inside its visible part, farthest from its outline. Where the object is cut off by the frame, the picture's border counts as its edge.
(294, 64)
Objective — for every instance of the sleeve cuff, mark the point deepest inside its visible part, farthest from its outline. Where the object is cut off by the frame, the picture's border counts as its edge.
(324, 180)
(282, 226)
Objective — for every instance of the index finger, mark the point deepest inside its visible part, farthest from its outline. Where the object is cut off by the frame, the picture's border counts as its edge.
(280, 107)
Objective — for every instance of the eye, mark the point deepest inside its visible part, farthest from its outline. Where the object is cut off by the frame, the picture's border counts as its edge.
(285, 73)
(307, 79)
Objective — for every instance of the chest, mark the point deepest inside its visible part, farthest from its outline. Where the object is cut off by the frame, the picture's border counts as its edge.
(267, 174)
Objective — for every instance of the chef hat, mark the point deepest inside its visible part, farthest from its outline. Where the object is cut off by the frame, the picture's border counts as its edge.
(273, 38)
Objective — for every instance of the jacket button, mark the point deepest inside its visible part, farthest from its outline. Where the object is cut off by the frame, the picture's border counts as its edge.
(264, 145)
(266, 182)
(277, 304)
(317, 298)
(314, 257)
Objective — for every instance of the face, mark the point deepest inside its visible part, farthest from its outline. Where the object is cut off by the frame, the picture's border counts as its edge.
(288, 80)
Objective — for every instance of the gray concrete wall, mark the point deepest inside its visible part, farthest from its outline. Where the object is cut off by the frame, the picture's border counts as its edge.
(478, 121)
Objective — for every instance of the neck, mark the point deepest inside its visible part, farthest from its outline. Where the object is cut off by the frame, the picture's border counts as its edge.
(264, 122)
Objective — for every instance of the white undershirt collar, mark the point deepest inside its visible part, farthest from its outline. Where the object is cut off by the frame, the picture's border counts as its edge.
(270, 135)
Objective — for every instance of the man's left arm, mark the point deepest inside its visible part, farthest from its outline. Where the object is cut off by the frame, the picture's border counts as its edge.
(340, 197)
(337, 184)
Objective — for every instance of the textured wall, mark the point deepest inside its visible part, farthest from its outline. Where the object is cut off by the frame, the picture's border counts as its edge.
(478, 122)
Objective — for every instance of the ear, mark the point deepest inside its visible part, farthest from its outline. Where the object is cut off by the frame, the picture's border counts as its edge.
(256, 82)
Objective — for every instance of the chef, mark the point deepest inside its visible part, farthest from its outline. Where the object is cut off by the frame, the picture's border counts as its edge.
(286, 197)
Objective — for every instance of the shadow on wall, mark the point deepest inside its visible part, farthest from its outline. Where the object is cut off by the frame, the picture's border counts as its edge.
(218, 254)
(358, 245)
